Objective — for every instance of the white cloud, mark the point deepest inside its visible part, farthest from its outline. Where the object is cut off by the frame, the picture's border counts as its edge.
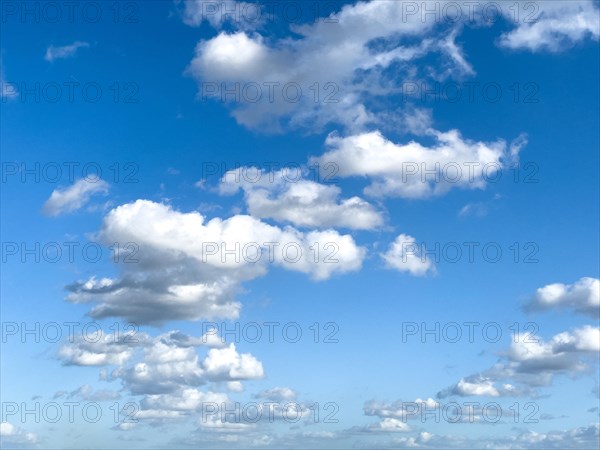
(157, 299)
(583, 296)
(7, 90)
(74, 197)
(212, 339)
(389, 424)
(228, 364)
(358, 59)
(405, 255)
(278, 394)
(187, 399)
(414, 171)
(66, 51)
(531, 362)
(155, 377)
(358, 54)
(551, 25)
(555, 353)
(97, 348)
(583, 437)
(13, 435)
(283, 196)
(235, 386)
(183, 271)
(166, 364)
(479, 387)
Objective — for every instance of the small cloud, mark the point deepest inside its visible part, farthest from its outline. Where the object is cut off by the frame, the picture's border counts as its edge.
(583, 297)
(73, 197)
(7, 90)
(65, 51)
(406, 255)
(15, 436)
(478, 209)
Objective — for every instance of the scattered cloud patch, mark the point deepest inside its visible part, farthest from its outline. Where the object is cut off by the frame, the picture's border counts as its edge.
(550, 25)
(74, 197)
(13, 435)
(62, 52)
(530, 363)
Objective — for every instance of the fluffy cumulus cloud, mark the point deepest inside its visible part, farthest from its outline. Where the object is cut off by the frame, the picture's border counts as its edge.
(550, 25)
(168, 363)
(98, 348)
(228, 364)
(480, 386)
(413, 170)
(167, 368)
(66, 51)
(176, 377)
(12, 435)
(330, 73)
(180, 402)
(531, 362)
(583, 296)
(74, 197)
(286, 196)
(184, 267)
(405, 255)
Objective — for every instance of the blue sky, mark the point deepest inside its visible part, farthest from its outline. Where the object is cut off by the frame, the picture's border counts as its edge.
(387, 99)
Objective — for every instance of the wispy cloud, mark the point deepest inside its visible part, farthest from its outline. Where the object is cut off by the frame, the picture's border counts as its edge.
(74, 197)
(65, 51)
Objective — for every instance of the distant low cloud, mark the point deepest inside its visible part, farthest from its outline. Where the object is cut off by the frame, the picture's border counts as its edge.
(170, 362)
(531, 362)
(65, 51)
(583, 297)
(16, 437)
(74, 197)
